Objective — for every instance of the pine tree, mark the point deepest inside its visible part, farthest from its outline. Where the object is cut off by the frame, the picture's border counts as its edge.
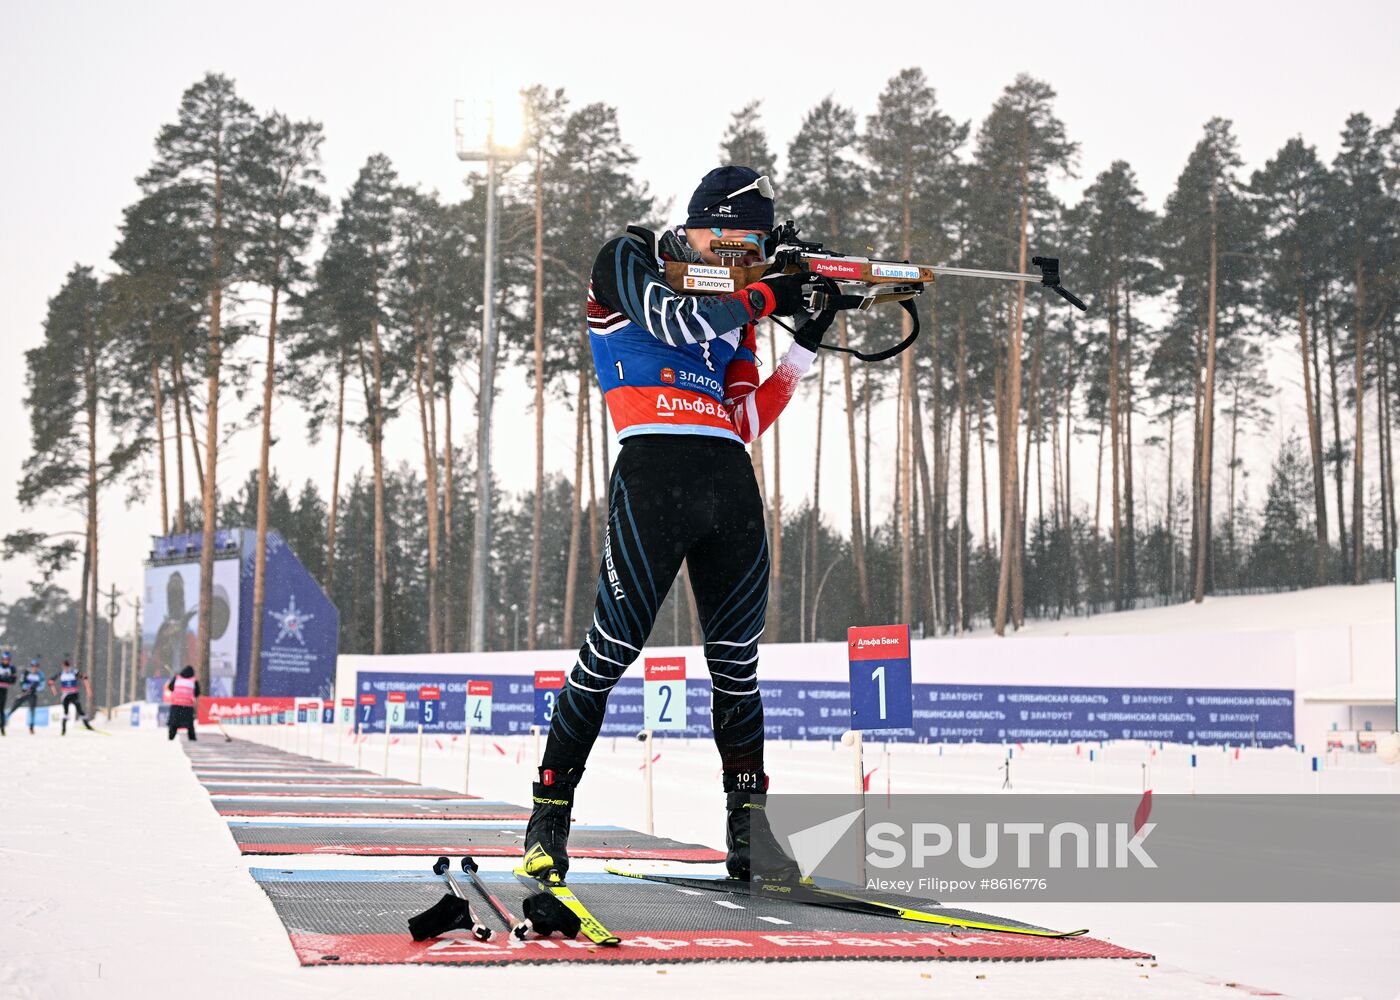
(1291, 199)
(912, 147)
(358, 260)
(1018, 146)
(1365, 234)
(69, 379)
(1118, 233)
(199, 160)
(1207, 242)
(283, 203)
(826, 189)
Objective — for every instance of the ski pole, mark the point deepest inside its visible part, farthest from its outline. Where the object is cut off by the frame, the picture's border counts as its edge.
(469, 866)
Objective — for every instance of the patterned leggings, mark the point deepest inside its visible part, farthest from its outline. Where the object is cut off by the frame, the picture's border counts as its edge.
(676, 498)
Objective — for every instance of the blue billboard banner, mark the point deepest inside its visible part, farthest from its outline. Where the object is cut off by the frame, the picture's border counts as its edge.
(944, 713)
(301, 626)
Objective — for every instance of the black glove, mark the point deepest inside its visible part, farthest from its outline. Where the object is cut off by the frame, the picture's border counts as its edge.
(811, 327)
(787, 291)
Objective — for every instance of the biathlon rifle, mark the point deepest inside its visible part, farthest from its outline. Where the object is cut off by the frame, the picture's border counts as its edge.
(859, 282)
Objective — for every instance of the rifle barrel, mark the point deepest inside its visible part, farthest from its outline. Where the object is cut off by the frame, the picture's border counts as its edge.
(972, 272)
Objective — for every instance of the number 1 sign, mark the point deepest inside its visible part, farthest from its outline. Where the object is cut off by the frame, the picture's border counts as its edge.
(882, 689)
(663, 693)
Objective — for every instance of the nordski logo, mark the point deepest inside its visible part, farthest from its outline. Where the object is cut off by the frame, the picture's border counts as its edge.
(614, 583)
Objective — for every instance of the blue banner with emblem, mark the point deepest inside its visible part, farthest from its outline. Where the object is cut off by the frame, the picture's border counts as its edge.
(946, 713)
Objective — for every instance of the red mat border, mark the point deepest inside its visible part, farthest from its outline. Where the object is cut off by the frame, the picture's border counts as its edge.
(700, 946)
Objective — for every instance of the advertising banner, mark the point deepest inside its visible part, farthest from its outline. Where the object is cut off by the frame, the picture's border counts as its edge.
(212, 709)
(170, 623)
(948, 713)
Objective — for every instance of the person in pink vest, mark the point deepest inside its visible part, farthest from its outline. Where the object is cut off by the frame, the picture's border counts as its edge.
(184, 692)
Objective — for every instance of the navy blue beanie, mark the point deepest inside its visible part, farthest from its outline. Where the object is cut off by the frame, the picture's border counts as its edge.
(709, 207)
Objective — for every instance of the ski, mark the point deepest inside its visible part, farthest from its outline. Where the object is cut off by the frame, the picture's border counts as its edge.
(817, 896)
(545, 922)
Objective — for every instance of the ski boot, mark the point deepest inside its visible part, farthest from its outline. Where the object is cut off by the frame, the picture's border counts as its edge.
(63, 730)
(751, 849)
(547, 834)
(88, 725)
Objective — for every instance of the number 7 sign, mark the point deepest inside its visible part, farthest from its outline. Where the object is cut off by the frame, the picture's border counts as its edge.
(882, 689)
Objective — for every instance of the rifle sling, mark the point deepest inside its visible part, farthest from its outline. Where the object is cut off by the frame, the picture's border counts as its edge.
(907, 305)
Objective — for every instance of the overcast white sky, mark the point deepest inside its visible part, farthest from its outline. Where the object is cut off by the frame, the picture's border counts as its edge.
(85, 86)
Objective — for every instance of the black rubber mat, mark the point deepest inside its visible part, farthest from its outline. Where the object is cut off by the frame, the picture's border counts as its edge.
(243, 805)
(361, 917)
(421, 837)
(238, 778)
(331, 789)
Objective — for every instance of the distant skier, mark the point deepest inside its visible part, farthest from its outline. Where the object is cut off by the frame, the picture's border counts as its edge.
(68, 678)
(680, 376)
(184, 693)
(7, 677)
(29, 686)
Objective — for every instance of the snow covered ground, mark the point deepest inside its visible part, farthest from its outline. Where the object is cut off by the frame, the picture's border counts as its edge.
(120, 880)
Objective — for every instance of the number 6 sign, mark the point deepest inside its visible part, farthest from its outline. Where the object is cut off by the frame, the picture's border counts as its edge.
(882, 690)
(663, 693)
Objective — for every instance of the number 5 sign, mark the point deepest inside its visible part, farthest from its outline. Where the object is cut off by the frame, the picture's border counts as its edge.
(663, 693)
(428, 696)
(882, 690)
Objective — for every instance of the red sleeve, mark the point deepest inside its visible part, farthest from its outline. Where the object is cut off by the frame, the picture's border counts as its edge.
(741, 374)
(753, 412)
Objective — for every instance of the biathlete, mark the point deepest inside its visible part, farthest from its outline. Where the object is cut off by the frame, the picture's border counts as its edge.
(68, 678)
(29, 687)
(679, 373)
(7, 677)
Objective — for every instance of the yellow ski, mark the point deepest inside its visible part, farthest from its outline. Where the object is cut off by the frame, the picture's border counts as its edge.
(814, 895)
(590, 925)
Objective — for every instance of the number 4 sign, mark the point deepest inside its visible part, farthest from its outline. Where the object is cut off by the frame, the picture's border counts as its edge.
(882, 690)
(663, 693)
(479, 705)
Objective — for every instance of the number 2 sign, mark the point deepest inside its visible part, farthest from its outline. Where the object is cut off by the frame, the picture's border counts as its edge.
(882, 690)
(663, 693)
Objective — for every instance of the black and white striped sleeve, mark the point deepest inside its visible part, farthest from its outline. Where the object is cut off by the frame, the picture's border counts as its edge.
(626, 278)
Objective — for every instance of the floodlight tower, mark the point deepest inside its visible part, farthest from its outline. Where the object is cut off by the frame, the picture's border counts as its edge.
(503, 158)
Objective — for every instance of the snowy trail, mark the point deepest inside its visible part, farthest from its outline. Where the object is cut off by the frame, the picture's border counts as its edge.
(121, 881)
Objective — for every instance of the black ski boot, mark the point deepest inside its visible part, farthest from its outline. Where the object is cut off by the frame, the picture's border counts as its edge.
(63, 730)
(752, 852)
(88, 725)
(547, 834)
